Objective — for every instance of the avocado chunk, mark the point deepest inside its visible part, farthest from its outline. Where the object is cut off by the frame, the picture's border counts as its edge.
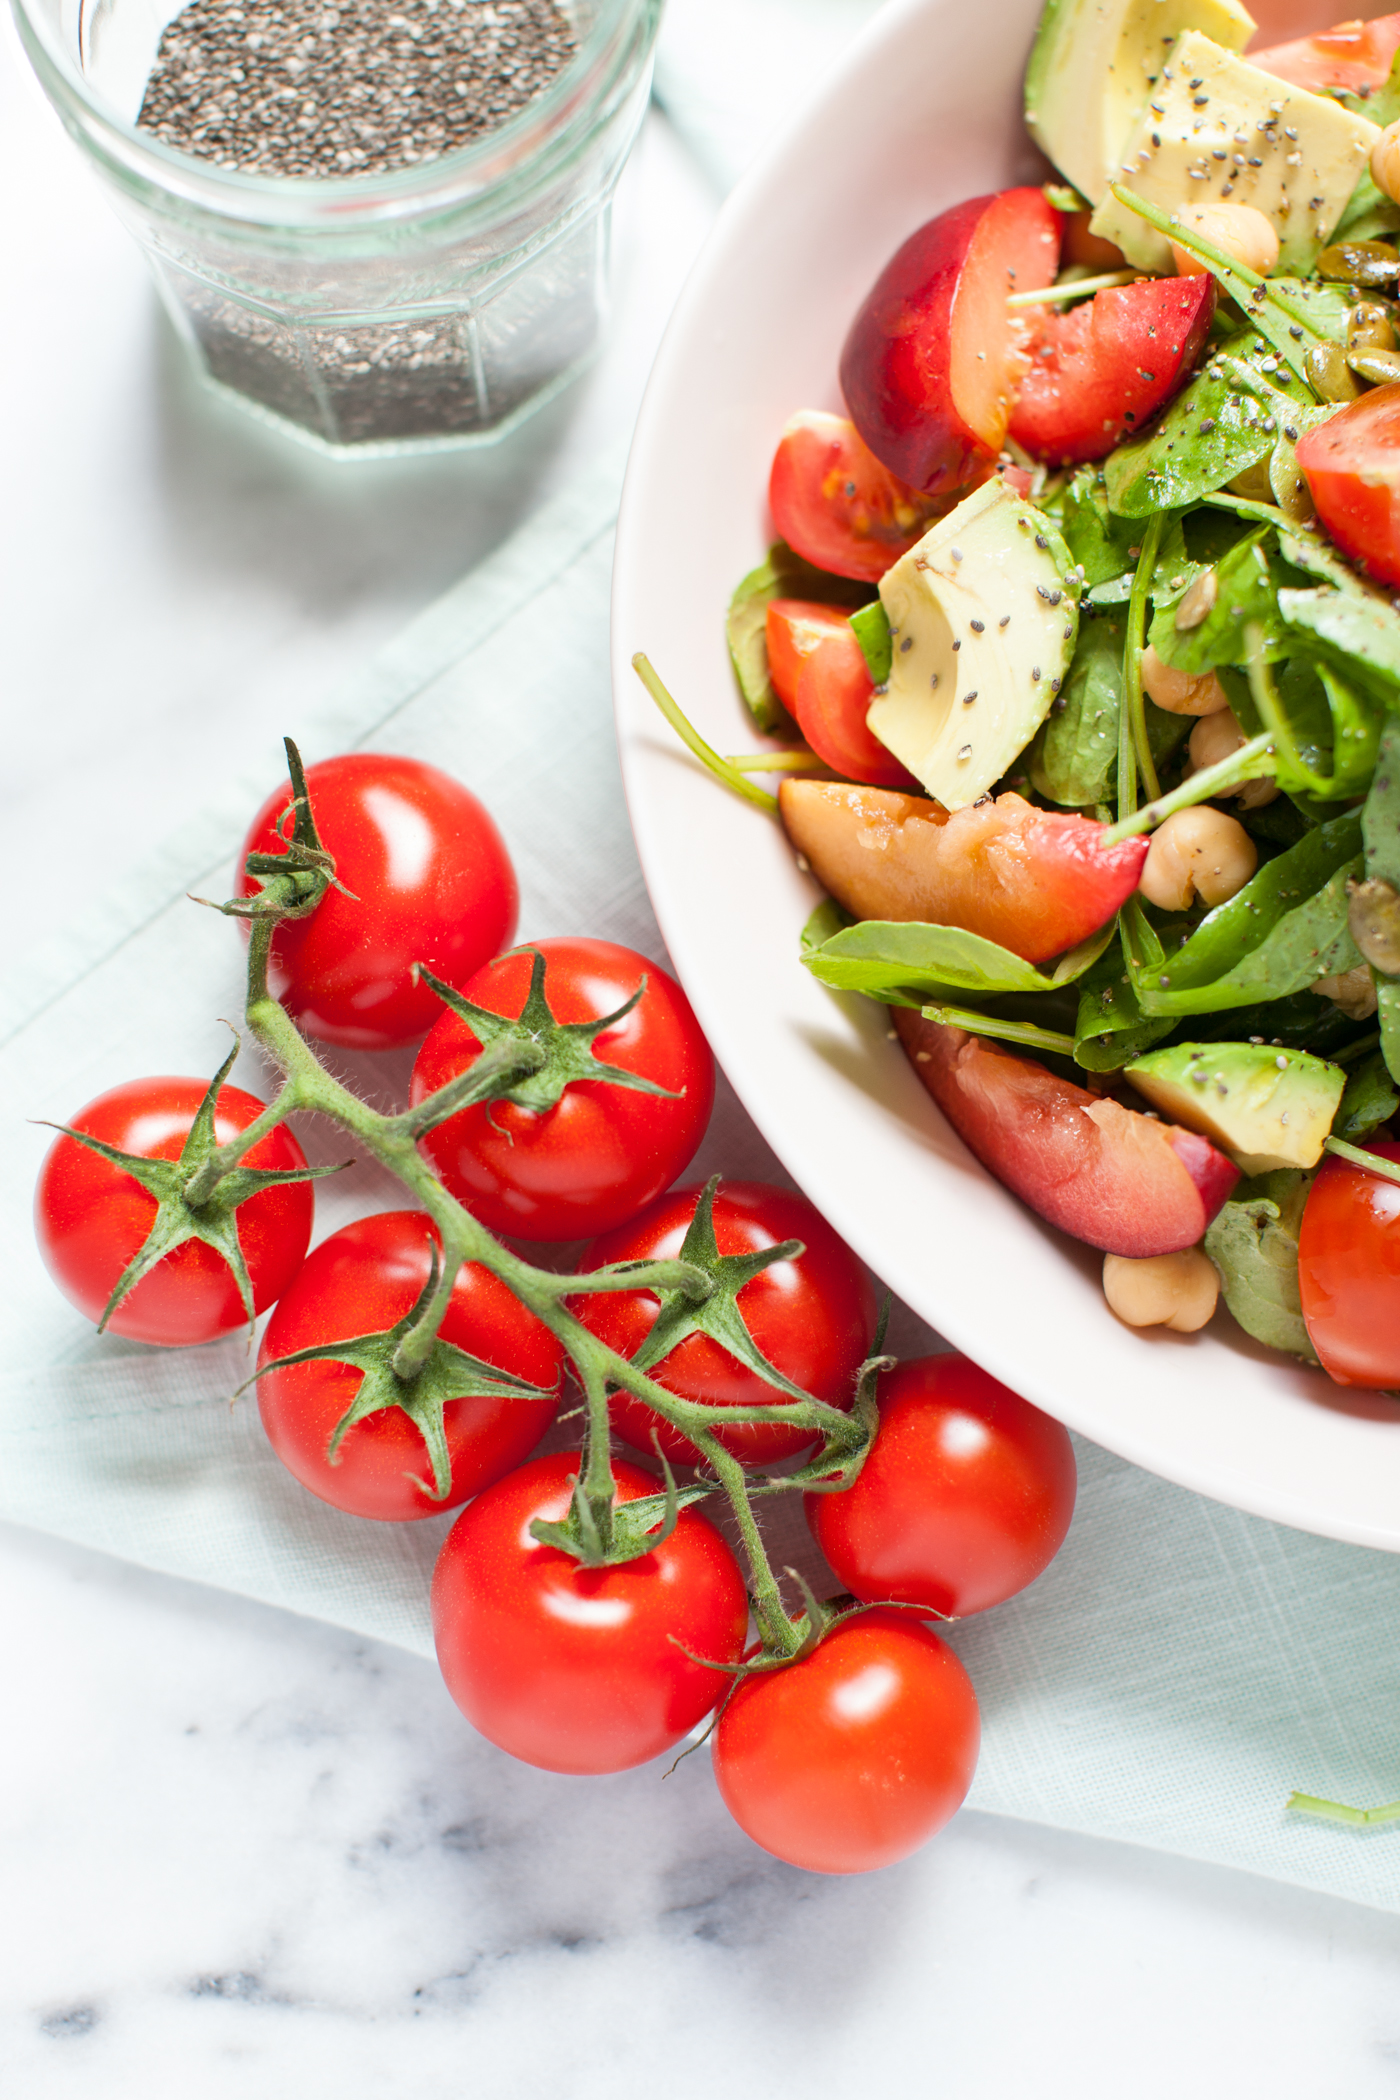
(1266, 1107)
(983, 613)
(1217, 130)
(1092, 66)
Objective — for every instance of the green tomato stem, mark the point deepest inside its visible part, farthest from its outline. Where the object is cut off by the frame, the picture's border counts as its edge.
(1338, 1811)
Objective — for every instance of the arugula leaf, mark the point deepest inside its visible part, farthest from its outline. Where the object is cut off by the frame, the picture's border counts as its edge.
(1097, 541)
(1075, 753)
(782, 574)
(1253, 1241)
(1226, 420)
(1370, 1099)
(1246, 595)
(1110, 1030)
(1380, 827)
(893, 959)
(1356, 631)
(1286, 927)
(1368, 210)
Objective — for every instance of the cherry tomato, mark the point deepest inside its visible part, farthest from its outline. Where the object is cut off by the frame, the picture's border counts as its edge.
(362, 1280)
(819, 673)
(812, 1318)
(853, 1757)
(431, 882)
(1349, 1270)
(1355, 55)
(1102, 370)
(582, 1669)
(964, 1498)
(1352, 467)
(835, 504)
(603, 1151)
(92, 1219)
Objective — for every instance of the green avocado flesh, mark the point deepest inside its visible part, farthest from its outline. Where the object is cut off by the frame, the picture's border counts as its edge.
(1093, 66)
(1266, 1107)
(983, 616)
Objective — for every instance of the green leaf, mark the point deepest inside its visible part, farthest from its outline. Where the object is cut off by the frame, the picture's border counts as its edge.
(1253, 1242)
(1246, 595)
(1368, 210)
(1354, 630)
(1074, 756)
(782, 575)
(886, 958)
(1220, 424)
(1110, 1029)
(1370, 1099)
(1097, 541)
(1286, 927)
(829, 918)
(1380, 826)
(871, 628)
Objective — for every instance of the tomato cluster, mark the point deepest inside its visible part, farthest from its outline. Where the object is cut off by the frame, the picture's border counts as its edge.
(560, 1091)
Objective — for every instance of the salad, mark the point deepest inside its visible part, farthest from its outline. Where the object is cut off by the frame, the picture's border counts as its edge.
(1082, 640)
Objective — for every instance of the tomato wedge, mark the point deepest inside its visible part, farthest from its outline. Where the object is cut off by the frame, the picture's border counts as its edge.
(1352, 56)
(1352, 467)
(819, 673)
(1349, 1270)
(1033, 880)
(835, 504)
(1103, 370)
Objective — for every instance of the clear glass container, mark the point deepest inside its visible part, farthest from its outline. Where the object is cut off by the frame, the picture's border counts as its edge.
(435, 306)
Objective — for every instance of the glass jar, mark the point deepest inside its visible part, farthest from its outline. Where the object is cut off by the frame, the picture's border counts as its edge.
(431, 307)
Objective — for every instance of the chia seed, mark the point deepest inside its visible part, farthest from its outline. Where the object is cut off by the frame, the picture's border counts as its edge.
(298, 88)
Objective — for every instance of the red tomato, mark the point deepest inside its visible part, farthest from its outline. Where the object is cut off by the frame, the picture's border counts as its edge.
(92, 1219)
(603, 1151)
(819, 673)
(1102, 370)
(431, 882)
(812, 1318)
(964, 1498)
(835, 504)
(1352, 466)
(362, 1280)
(582, 1669)
(1349, 1270)
(1354, 56)
(853, 1757)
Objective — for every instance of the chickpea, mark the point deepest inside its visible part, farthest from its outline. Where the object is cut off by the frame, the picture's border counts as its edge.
(1243, 233)
(1179, 692)
(1161, 1290)
(1197, 849)
(1215, 737)
(1385, 161)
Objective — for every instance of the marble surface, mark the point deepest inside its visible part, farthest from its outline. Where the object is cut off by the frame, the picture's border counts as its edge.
(242, 1853)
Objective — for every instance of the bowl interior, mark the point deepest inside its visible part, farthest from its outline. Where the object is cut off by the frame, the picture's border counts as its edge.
(923, 111)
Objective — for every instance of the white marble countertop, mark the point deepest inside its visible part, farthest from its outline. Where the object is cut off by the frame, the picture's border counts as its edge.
(243, 1853)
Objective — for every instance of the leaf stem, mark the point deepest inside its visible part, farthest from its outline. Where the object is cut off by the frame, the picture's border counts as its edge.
(1253, 761)
(1386, 1169)
(1339, 1812)
(691, 737)
(1134, 751)
(1079, 288)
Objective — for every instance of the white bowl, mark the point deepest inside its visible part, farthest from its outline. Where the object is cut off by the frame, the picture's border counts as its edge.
(923, 112)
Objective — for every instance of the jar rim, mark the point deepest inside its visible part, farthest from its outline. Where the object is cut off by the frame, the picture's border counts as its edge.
(500, 160)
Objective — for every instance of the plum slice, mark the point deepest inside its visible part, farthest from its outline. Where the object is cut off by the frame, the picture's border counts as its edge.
(1033, 880)
(932, 360)
(1108, 1175)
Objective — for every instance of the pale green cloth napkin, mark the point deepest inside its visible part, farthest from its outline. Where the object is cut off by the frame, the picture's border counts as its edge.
(1176, 1672)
